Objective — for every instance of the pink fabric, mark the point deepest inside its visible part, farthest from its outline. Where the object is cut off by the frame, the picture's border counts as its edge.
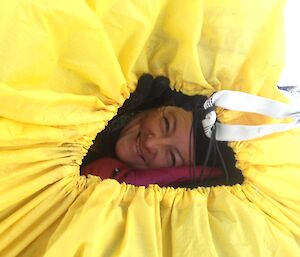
(105, 167)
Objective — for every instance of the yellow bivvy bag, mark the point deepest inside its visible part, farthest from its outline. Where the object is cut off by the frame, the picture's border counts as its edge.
(67, 66)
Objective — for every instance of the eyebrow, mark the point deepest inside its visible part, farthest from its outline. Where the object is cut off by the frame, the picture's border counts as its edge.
(174, 126)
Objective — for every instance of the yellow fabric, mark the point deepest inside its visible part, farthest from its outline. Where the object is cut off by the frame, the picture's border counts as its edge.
(67, 65)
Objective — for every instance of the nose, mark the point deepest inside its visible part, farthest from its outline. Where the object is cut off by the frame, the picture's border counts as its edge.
(154, 143)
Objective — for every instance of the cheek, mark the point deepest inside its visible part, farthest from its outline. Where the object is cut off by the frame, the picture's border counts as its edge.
(122, 149)
(124, 144)
(119, 149)
(125, 140)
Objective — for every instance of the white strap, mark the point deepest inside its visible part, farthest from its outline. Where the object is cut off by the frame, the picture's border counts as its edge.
(239, 101)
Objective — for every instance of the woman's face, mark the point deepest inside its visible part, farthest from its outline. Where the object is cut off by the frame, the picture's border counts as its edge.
(156, 138)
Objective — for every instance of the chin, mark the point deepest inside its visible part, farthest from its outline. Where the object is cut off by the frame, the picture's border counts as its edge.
(123, 157)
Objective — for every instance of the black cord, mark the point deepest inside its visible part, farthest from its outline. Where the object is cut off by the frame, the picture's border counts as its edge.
(210, 147)
(223, 162)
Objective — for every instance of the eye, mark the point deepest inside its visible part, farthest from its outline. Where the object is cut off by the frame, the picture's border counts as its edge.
(173, 159)
(166, 124)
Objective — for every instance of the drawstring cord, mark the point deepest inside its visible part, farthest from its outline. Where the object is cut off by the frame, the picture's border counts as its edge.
(209, 128)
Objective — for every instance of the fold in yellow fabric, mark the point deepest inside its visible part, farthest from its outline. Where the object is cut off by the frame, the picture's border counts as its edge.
(66, 67)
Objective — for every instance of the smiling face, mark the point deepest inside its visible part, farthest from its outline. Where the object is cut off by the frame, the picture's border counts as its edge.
(156, 138)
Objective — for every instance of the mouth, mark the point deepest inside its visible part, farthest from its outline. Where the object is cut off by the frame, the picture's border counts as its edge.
(138, 146)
